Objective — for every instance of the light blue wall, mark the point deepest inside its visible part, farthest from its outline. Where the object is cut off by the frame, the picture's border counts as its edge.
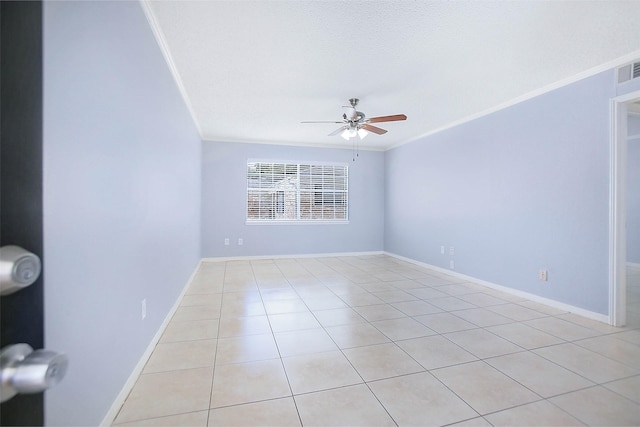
(633, 191)
(516, 191)
(121, 198)
(224, 203)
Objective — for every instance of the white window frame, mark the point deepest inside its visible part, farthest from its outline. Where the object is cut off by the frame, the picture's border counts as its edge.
(341, 186)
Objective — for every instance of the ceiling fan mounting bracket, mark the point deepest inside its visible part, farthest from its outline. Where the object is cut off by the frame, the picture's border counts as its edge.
(354, 102)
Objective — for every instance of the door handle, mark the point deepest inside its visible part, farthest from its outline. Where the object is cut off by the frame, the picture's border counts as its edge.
(18, 269)
(23, 370)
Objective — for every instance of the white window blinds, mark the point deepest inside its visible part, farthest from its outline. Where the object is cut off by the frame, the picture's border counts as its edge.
(278, 191)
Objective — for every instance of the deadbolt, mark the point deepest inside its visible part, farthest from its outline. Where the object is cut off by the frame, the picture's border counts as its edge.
(18, 269)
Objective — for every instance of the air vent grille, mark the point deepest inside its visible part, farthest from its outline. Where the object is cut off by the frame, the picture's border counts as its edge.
(629, 72)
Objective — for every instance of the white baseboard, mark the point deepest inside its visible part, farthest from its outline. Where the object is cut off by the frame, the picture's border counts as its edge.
(259, 257)
(532, 297)
(135, 374)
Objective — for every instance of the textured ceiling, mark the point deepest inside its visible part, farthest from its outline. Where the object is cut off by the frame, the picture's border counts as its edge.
(252, 71)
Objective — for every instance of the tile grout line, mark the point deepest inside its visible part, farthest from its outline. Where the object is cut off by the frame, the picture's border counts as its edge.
(295, 404)
(215, 356)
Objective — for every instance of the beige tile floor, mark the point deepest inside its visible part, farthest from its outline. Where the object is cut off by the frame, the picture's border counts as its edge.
(373, 340)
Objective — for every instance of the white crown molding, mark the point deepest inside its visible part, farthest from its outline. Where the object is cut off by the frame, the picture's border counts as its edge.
(557, 85)
(162, 43)
(295, 144)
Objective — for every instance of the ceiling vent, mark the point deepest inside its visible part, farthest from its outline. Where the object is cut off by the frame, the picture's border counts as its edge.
(629, 72)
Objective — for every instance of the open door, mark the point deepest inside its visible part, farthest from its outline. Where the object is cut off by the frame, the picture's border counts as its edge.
(25, 369)
(21, 185)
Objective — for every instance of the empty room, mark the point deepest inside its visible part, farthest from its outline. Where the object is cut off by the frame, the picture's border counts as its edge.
(320, 213)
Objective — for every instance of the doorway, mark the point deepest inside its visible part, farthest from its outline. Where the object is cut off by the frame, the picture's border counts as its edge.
(624, 243)
(633, 214)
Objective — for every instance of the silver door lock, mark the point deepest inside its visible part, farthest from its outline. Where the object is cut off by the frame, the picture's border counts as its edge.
(18, 269)
(23, 370)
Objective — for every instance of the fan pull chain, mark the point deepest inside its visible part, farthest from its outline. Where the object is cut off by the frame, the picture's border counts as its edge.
(356, 148)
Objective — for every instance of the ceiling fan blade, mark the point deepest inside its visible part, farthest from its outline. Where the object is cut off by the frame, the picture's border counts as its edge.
(337, 131)
(393, 118)
(373, 129)
(323, 121)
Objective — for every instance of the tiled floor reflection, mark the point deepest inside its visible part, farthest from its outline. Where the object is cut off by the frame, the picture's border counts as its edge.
(372, 340)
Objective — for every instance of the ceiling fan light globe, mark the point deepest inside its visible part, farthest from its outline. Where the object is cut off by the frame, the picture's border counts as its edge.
(362, 133)
(345, 134)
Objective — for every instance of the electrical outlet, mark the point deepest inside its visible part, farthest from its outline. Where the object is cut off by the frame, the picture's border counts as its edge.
(542, 275)
(442, 250)
(240, 242)
(226, 241)
(143, 308)
(451, 264)
(452, 251)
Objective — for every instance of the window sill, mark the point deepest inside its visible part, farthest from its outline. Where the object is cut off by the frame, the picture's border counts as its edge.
(298, 222)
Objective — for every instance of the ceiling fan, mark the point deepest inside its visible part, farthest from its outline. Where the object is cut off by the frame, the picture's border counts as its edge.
(355, 122)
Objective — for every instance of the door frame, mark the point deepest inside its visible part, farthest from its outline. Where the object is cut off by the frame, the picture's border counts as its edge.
(618, 209)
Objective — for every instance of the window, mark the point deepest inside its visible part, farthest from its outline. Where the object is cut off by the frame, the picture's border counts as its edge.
(297, 192)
